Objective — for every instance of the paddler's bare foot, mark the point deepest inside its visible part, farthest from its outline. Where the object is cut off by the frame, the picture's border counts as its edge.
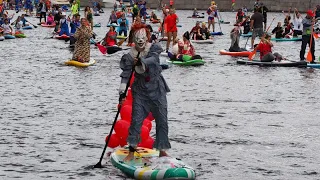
(163, 154)
(129, 157)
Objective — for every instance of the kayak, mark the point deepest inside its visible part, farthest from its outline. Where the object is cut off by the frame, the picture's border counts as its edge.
(283, 63)
(49, 26)
(286, 39)
(20, 35)
(80, 64)
(62, 37)
(97, 25)
(195, 17)
(27, 27)
(207, 41)
(216, 33)
(8, 36)
(2, 38)
(249, 34)
(113, 24)
(148, 166)
(121, 37)
(236, 54)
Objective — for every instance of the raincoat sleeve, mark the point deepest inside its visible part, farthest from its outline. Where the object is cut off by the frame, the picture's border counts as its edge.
(126, 64)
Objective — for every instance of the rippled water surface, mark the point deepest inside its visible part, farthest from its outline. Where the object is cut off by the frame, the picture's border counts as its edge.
(227, 121)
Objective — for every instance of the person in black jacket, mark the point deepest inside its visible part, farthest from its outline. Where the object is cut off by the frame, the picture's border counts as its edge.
(57, 18)
(263, 9)
(43, 9)
(278, 31)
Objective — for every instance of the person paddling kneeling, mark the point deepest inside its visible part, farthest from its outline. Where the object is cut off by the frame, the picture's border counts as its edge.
(265, 50)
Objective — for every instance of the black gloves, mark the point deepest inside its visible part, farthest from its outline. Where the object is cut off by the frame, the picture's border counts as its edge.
(139, 62)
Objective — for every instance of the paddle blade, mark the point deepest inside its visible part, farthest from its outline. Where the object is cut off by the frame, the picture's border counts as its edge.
(98, 165)
(309, 56)
(253, 54)
(101, 48)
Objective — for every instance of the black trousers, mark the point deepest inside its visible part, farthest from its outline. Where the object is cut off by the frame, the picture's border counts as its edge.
(43, 14)
(305, 41)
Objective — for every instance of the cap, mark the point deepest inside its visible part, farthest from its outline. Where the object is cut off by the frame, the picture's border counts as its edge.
(310, 13)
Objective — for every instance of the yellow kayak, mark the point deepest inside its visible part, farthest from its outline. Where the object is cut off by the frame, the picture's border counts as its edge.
(80, 64)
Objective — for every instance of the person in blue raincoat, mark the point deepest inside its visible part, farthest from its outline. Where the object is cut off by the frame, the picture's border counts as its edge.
(64, 27)
(28, 6)
(143, 10)
(123, 25)
(149, 90)
(17, 5)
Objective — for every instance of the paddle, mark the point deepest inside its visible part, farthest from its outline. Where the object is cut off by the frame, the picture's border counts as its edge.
(35, 26)
(309, 55)
(110, 49)
(219, 24)
(99, 165)
(122, 41)
(253, 53)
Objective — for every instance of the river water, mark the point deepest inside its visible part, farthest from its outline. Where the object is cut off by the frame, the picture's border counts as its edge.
(228, 121)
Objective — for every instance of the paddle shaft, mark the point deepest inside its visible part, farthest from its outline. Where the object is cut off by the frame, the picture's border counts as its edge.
(219, 22)
(98, 165)
(32, 24)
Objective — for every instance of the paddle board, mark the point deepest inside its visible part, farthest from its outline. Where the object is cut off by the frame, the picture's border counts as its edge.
(148, 166)
(286, 39)
(80, 64)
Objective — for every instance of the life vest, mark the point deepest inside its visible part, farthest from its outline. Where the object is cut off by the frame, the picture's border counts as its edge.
(264, 49)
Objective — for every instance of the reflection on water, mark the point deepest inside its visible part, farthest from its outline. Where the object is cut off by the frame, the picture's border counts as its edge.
(227, 121)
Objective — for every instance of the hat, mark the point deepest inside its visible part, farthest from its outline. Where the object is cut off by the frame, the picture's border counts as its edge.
(63, 14)
(187, 35)
(310, 13)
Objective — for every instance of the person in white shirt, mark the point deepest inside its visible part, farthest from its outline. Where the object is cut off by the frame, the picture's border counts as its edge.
(297, 23)
(7, 29)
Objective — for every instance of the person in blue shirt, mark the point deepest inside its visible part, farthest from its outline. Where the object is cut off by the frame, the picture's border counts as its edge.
(123, 25)
(143, 10)
(74, 24)
(17, 5)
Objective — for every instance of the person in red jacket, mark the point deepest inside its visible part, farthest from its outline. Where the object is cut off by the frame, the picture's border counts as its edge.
(265, 46)
(110, 38)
